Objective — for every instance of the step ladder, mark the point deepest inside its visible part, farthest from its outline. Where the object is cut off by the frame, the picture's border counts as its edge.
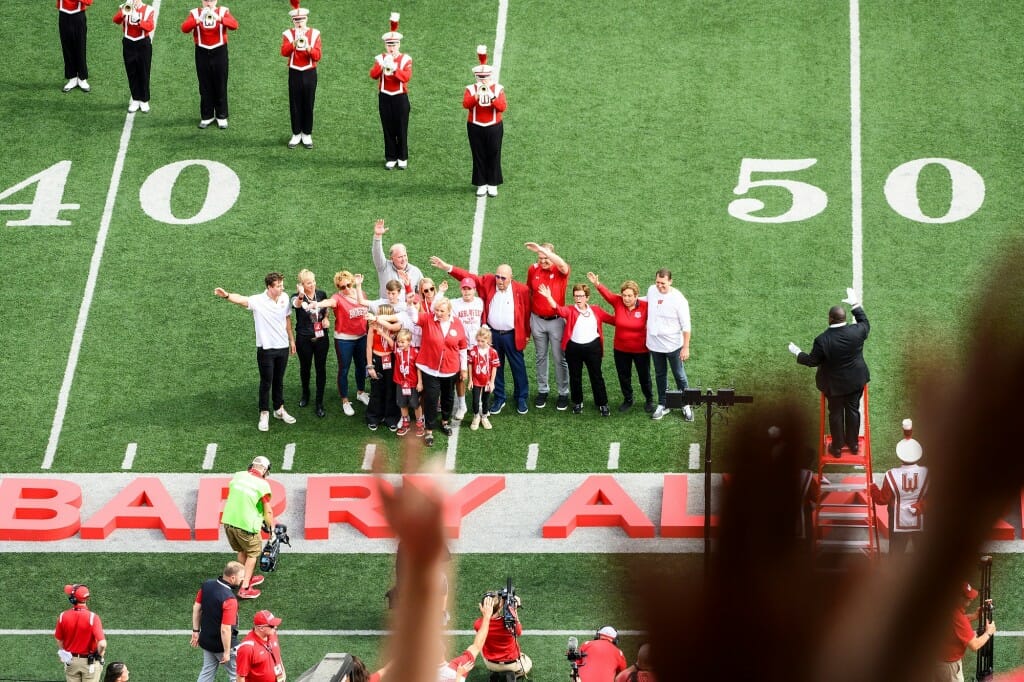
(844, 517)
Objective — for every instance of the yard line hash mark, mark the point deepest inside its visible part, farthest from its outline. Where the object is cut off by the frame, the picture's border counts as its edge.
(210, 457)
(129, 455)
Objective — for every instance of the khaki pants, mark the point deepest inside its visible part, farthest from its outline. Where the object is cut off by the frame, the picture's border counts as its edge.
(521, 667)
(78, 670)
(949, 672)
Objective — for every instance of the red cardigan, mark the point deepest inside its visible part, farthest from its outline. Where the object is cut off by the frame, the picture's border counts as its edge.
(485, 288)
(571, 313)
(441, 352)
(630, 325)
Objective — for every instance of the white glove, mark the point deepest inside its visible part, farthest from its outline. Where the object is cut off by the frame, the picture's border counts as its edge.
(794, 349)
(389, 62)
(851, 297)
(64, 655)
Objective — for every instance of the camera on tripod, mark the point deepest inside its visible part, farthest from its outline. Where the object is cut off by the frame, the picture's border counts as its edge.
(268, 559)
(509, 601)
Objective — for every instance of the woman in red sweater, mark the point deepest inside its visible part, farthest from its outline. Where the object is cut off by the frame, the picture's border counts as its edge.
(630, 346)
(442, 356)
(350, 308)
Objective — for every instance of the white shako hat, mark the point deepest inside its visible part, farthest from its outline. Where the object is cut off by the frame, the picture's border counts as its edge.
(909, 451)
(298, 12)
(393, 36)
(484, 69)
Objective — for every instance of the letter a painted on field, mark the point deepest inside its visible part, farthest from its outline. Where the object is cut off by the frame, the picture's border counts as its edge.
(144, 503)
(599, 502)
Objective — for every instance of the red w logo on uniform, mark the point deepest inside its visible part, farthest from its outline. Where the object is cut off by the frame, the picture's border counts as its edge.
(909, 483)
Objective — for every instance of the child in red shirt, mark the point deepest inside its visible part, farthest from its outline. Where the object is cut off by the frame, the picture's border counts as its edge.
(483, 367)
(408, 382)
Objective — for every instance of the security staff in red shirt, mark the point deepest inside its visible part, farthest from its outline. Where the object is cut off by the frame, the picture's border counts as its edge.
(259, 656)
(72, 26)
(209, 27)
(81, 637)
(603, 657)
(137, 49)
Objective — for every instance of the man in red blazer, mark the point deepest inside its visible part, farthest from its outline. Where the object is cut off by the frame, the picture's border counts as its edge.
(507, 313)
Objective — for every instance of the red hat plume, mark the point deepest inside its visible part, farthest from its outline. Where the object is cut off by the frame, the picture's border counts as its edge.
(481, 53)
(295, 4)
(393, 20)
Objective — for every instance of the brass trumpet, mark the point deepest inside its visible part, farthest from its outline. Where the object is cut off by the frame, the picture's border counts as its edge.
(209, 18)
(483, 95)
(128, 6)
(301, 41)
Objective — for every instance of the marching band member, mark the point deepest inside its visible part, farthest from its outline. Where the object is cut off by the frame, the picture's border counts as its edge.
(209, 27)
(485, 100)
(138, 21)
(392, 71)
(72, 26)
(301, 47)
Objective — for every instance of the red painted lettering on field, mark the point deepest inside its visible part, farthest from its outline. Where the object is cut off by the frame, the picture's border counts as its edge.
(213, 491)
(345, 499)
(39, 509)
(464, 500)
(143, 503)
(676, 521)
(599, 501)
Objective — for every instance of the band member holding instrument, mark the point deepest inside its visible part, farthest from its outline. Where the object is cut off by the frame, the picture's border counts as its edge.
(904, 493)
(392, 71)
(485, 100)
(300, 45)
(138, 20)
(209, 26)
(72, 26)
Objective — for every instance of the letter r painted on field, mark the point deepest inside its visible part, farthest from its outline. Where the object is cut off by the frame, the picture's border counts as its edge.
(213, 491)
(599, 502)
(39, 509)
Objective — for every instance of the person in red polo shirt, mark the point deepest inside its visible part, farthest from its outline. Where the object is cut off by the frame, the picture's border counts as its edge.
(604, 659)
(630, 346)
(209, 26)
(962, 637)
(80, 633)
(259, 655)
(546, 326)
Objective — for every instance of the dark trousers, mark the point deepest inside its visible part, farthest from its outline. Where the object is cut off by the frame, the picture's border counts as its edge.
(509, 355)
(394, 120)
(844, 418)
(212, 71)
(433, 388)
(138, 58)
(578, 355)
(898, 542)
(481, 400)
(312, 353)
(301, 96)
(624, 363)
(382, 407)
(485, 144)
(272, 363)
(72, 28)
(662, 363)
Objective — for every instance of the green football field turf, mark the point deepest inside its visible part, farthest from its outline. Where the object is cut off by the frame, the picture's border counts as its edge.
(627, 132)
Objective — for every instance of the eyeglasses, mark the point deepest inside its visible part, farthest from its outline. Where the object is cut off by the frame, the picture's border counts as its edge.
(501, 277)
(344, 286)
(428, 289)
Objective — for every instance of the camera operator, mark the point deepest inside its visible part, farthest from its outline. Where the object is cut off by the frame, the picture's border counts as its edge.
(641, 671)
(215, 622)
(603, 659)
(246, 509)
(81, 637)
(501, 651)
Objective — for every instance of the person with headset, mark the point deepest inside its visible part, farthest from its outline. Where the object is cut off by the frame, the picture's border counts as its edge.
(245, 511)
(501, 652)
(603, 659)
(81, 637)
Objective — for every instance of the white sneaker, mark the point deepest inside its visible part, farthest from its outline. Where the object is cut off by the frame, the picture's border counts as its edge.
(492, 191)
(144, 106)
(485, 422)
(347, 408)
(403, 164)
(70, 85)
(460, 412)
(264, 424)
(475, 424)
(84, 85)
(294, 141)
(284, 416)
(205, 123)
(133, 106)
(659, 412)
(687, 413)
(481, 191)
(390, 165)
(363, 397)
(307, 141)
(222, 123)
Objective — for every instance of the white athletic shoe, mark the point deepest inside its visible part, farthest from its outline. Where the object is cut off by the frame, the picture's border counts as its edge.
(492, 191)
(144, 107)
(403, 164)
(390, 165)
(687, 413)
(205, 123)
(264, 424)
(659, 412)
(294, 141)
(222, 123)
(475, 424)
(347, 408)
(460, 412)
(84, 85)
(363, 397)
(485, 422)
(70, 85)
(307, 141)
(133, 106)
(284, 416)
(481, 191)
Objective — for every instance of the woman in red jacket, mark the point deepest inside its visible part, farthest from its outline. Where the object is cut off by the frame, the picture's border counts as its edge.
(630, 346)
(442, 355)
(583, 342)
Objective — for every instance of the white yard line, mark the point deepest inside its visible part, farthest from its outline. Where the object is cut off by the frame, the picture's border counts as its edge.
(289, 457)
(531, 456)
(694, 456)
(90, 287)
(330, 633)
(129, 455)
(368, 454)
(856, 189)
(613, 456)
(210, 457)
(453, 445)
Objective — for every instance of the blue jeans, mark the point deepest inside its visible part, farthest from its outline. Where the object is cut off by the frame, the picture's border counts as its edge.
(347, 350)
(662, 361)
(505, 344)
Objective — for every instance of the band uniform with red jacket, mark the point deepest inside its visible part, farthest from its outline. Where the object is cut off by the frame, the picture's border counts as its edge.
(485, 102)
(72, 26)
(301, 46)
(209, 26)
(137, 26)
(392, 70)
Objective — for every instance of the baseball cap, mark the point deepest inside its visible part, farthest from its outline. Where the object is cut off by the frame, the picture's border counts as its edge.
(261, 461)
(467, 283)
(969, 592)
(609, 632)
(265, 617)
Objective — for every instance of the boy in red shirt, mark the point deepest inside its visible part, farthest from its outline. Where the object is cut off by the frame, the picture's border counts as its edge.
(408, 383)
(483, 368)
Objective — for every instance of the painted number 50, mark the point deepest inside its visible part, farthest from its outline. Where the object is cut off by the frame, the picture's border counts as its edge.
(967, 191)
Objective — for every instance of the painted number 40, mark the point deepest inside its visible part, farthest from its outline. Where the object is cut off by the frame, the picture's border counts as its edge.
(966, 185)
(222, 191)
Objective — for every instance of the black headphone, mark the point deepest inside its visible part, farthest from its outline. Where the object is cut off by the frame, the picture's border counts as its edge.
(73, 593)
(597, 635)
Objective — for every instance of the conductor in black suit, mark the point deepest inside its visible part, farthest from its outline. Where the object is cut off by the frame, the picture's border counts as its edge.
(838, 353)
